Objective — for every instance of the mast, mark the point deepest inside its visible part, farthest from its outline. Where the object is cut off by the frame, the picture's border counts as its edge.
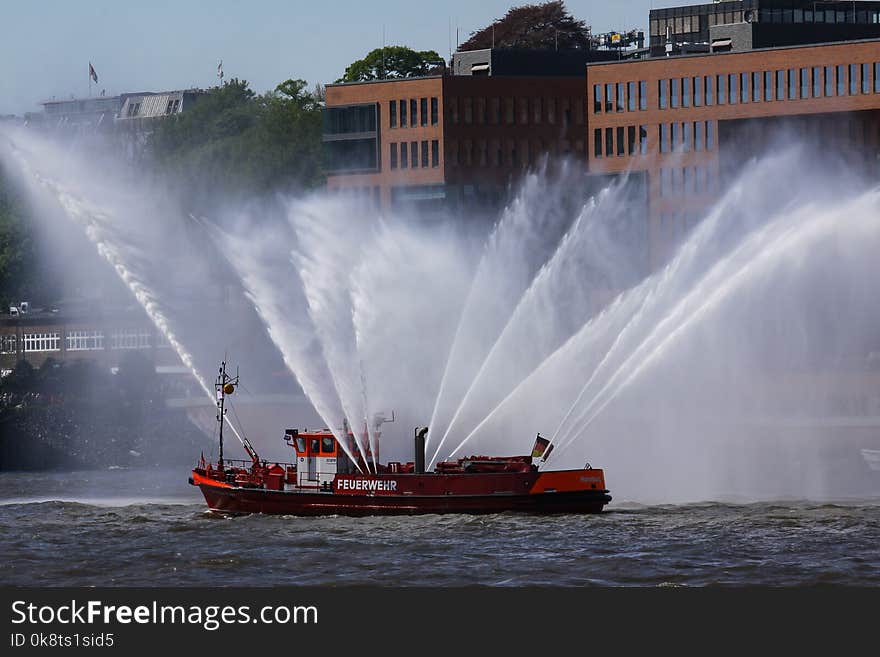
(225, 385)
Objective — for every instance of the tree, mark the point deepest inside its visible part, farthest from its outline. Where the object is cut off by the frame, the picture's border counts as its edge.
(392, 62)
(23, 275)
(542, 27)
(235, 143)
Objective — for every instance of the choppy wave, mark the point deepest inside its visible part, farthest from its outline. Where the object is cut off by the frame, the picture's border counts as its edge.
(96, 541)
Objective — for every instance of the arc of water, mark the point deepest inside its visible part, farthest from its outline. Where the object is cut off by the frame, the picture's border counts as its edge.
(619, 306)
(654, 289)
(335, 356)
(308, 373)
(89, 220)
(643, 296)
(515, 219)
(712, 293)
(524, 299)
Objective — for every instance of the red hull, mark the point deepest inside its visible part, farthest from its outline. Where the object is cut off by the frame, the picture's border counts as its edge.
(552, 492)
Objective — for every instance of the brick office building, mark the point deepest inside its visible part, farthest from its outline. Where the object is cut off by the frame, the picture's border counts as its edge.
(688, 121)
(449, 139)
(671, 120)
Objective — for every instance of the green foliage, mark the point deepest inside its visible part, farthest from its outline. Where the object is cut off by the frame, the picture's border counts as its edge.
(547, 26)
(392, 62)
(232, 142)
(17, 249)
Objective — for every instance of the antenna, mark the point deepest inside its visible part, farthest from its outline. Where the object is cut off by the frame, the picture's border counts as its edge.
(449, 38)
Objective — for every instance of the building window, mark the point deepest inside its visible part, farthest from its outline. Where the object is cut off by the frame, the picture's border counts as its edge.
(8, 343)
(130, 339)
(631, 96)
(404, 156)
(392, 113)
(676, 137)
(621, 105)
(780, 85)
(621, 146)
(523, 110)
(609, 141)
(508, 111)
(630, 140)
(537, 110)
(402, 113)
(841, 80)
(41, 341)
(643, 95)
(495, 111)
(732, 93)
(468, 110)
(483, 147)
(817, 82)
(710, 135)
(84, 340)
(674, 91)
(722, 89)
(413, 112)
(480, 111)
(597, 99)
(876, 77)
(609, 97)
(392, 158)
(664, 137)
(435, 110)
(698, 135)
(662, 87)
(768, 85)
(853, 79)
(551, 110)
(866, 88)
(756, 87)
(425, 154)
(744, 87)
(805, 83)
(829, 81)
(597, 142)
(424, 111)
(643, 139)
(452, 153)
(686, 92)
(698, 91)
(435, 152)
(686, 137)
(709, 86)
(792, 84)
(414, 154)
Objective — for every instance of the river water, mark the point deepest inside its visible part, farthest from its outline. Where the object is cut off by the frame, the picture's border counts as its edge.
(150, 528)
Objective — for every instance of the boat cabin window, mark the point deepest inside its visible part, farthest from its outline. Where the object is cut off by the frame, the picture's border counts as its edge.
(313, 445)
(300, 444)
(327, 445)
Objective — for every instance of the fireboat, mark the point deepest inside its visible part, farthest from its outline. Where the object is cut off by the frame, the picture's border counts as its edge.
(325, 479)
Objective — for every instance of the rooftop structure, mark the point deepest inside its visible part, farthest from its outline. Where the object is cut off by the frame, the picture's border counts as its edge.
(761, 24)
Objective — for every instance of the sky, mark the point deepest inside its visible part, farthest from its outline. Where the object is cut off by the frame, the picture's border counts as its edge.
(46, 45)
